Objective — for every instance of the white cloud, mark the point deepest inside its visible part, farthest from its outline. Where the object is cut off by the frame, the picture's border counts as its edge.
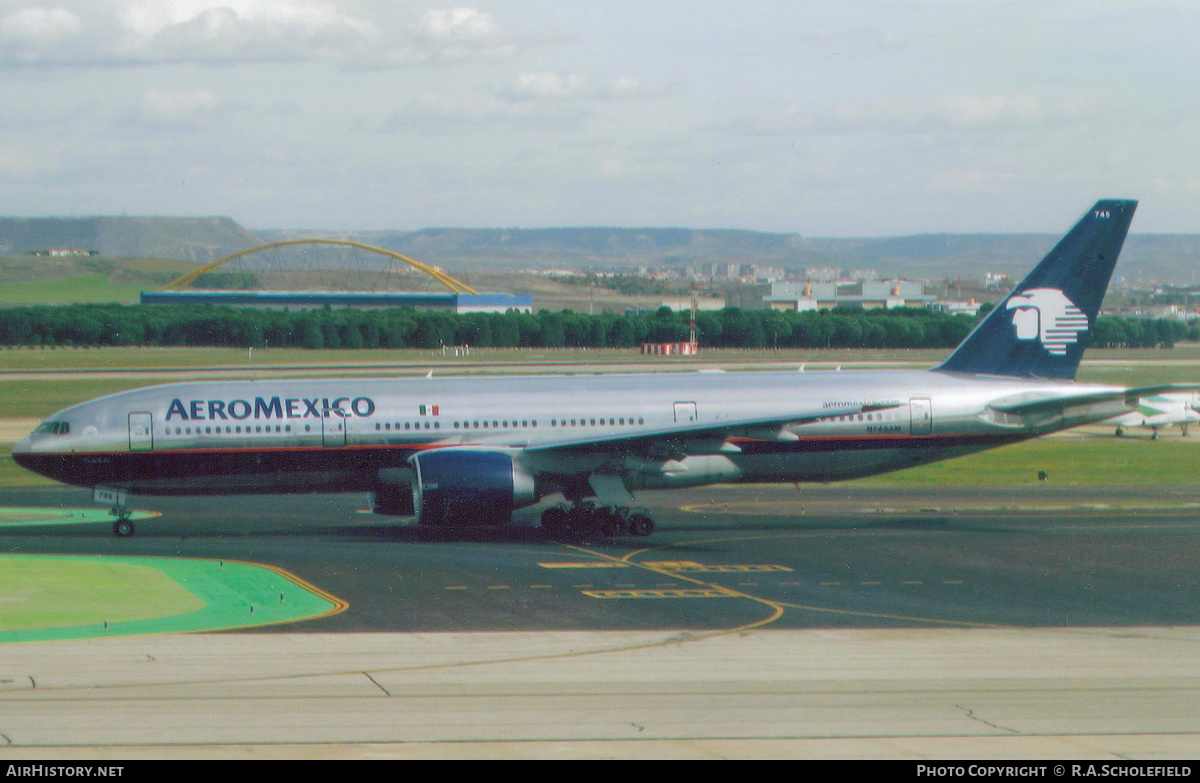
(17, 162)
(535, 100)
(438, 113)
(39, 27)
(459, 26)
(989, 111)
(629, 87)
(176, 107)
(241, 30)
(148, 18)
(454, 34)
(957, 113)
(358, 33)
(141, 32)
(169, 114)
(551, 86)
(548, 85)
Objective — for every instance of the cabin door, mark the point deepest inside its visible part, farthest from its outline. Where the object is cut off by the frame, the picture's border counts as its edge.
(921, 416)
(685, 412)
(141, 432)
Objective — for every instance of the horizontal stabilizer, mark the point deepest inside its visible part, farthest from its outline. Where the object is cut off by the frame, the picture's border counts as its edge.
(1033, 403)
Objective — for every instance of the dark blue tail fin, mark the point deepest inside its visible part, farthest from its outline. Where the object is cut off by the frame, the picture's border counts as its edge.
(1042, 327)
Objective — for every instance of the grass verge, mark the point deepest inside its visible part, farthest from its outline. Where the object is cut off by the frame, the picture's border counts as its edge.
(1066, 460)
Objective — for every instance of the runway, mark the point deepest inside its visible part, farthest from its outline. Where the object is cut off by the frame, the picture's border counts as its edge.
(758, 621)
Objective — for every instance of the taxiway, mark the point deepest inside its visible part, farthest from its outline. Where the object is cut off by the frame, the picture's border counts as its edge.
(835, 621)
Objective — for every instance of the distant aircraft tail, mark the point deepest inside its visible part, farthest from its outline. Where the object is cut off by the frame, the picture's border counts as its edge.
(1042, 327)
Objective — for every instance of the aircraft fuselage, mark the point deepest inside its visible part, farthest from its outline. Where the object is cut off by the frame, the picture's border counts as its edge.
(346, 435)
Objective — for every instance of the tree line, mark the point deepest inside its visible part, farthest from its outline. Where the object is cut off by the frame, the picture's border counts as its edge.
(146, 325)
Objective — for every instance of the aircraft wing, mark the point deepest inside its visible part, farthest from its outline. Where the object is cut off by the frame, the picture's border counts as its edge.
(760, 428)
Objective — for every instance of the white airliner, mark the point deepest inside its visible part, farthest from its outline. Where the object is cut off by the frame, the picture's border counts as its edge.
(461, 451)
(1159, 411)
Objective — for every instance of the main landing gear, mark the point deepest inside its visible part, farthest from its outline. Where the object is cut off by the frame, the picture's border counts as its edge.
(587, 517)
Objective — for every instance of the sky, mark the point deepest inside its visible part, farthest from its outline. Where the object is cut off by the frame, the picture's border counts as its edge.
(826, 119)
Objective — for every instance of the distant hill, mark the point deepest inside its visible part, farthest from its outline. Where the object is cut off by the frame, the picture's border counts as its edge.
(1170, 258)
(200, 239)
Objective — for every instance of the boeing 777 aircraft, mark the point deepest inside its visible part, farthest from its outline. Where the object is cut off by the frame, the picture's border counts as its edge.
(472, 450)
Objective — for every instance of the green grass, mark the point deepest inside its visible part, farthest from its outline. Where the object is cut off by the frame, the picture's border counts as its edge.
(67, 359)
(88, 288)
(52, 592)
(1091, 461)
(13, 475)
(1100, 366)
(77, 597)
(1136, 374)
(38, 399)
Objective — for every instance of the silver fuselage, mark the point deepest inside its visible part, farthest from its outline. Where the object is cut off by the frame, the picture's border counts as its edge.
(654, 430)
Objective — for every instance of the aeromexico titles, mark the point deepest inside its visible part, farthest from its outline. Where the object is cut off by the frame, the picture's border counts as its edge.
(462, 451)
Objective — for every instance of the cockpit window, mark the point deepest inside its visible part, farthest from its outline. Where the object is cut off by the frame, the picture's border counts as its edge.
(54, 427)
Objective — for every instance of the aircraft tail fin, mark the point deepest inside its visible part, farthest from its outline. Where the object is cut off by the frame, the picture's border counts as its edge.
(1042, 326)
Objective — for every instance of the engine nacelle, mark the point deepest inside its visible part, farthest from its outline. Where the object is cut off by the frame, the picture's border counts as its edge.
(469, 487)
(393, 500)
(393, 493)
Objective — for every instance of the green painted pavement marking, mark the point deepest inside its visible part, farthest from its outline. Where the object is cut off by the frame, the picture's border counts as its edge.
(52, 592)
(21, 517)
(63, 597)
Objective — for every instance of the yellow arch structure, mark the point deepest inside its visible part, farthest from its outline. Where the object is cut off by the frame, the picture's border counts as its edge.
(456, 286)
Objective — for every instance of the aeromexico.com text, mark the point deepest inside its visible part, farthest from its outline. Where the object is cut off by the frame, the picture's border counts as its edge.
(270, 408)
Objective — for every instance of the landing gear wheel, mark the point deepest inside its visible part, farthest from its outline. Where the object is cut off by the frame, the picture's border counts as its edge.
(122, 528)
(641, 525)
(582, 517)
(555, 519)
(609, 523)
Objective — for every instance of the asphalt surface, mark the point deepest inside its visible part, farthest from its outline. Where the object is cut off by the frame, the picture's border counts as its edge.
(723, 557)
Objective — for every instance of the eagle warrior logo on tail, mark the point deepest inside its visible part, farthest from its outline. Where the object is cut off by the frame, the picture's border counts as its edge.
(1046, 314)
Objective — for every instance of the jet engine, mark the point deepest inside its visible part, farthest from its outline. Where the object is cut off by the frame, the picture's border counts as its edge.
(469, 487)
(393, 492)
(393, 500)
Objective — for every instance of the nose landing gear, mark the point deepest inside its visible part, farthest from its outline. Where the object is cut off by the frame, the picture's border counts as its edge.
(123, 527)
(118, 502)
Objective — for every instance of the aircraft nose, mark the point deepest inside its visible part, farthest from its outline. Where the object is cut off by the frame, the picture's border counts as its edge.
(21, 451)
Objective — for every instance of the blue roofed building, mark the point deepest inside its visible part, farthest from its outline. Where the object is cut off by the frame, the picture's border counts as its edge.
(316, 300)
